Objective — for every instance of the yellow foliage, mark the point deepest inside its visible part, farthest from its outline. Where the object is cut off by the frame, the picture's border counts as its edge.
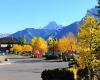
(95, 64)
(42, 44)
(17, 48)
(89, 34)
(85, 59)
(39, 43)
(68, 43)
(63, 44)
(33, 41)
(74, 70)
(89, 40)
(27, 48)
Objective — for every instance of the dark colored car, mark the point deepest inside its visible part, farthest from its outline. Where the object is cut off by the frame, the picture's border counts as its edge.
(51, 55)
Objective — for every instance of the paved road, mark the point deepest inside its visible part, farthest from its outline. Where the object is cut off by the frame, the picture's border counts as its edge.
(27, 71)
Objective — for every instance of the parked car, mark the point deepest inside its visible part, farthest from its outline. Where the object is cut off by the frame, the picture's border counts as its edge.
(52, 55)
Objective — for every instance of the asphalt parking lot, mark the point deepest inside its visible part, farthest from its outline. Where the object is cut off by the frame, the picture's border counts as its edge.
(27, 70)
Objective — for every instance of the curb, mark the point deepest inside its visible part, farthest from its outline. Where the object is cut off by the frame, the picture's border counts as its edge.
(5, 63)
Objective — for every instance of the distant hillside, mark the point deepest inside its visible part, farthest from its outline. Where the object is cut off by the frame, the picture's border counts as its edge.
(4, 35)
(50, 30)
(47, 32)
(73, 28)
(31, 32)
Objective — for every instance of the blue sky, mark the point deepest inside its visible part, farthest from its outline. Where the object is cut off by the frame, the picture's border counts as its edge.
(16, 15)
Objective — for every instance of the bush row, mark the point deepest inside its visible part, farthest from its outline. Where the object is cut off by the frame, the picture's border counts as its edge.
(57, 74)
(63, 74)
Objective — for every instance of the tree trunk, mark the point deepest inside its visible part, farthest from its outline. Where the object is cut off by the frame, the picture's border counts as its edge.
(91, 74)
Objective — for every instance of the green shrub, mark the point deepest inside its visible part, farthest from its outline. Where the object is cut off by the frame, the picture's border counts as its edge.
(57, 74)
(82, 73)
(71, 63)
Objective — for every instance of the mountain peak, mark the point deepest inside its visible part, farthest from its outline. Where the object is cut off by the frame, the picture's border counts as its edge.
(52, 22)
(53, 26)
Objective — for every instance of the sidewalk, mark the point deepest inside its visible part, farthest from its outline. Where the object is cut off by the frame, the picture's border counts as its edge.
(4, 63)
(3, 57)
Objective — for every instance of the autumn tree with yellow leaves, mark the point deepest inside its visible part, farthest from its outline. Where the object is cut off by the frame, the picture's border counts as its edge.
(19, 48)
(72, 42)
(63, 44)
(16, 48)
(33, 41)
(68, 43)
(26, 48)
(52, 44)
(89, 40)
(39, 45)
